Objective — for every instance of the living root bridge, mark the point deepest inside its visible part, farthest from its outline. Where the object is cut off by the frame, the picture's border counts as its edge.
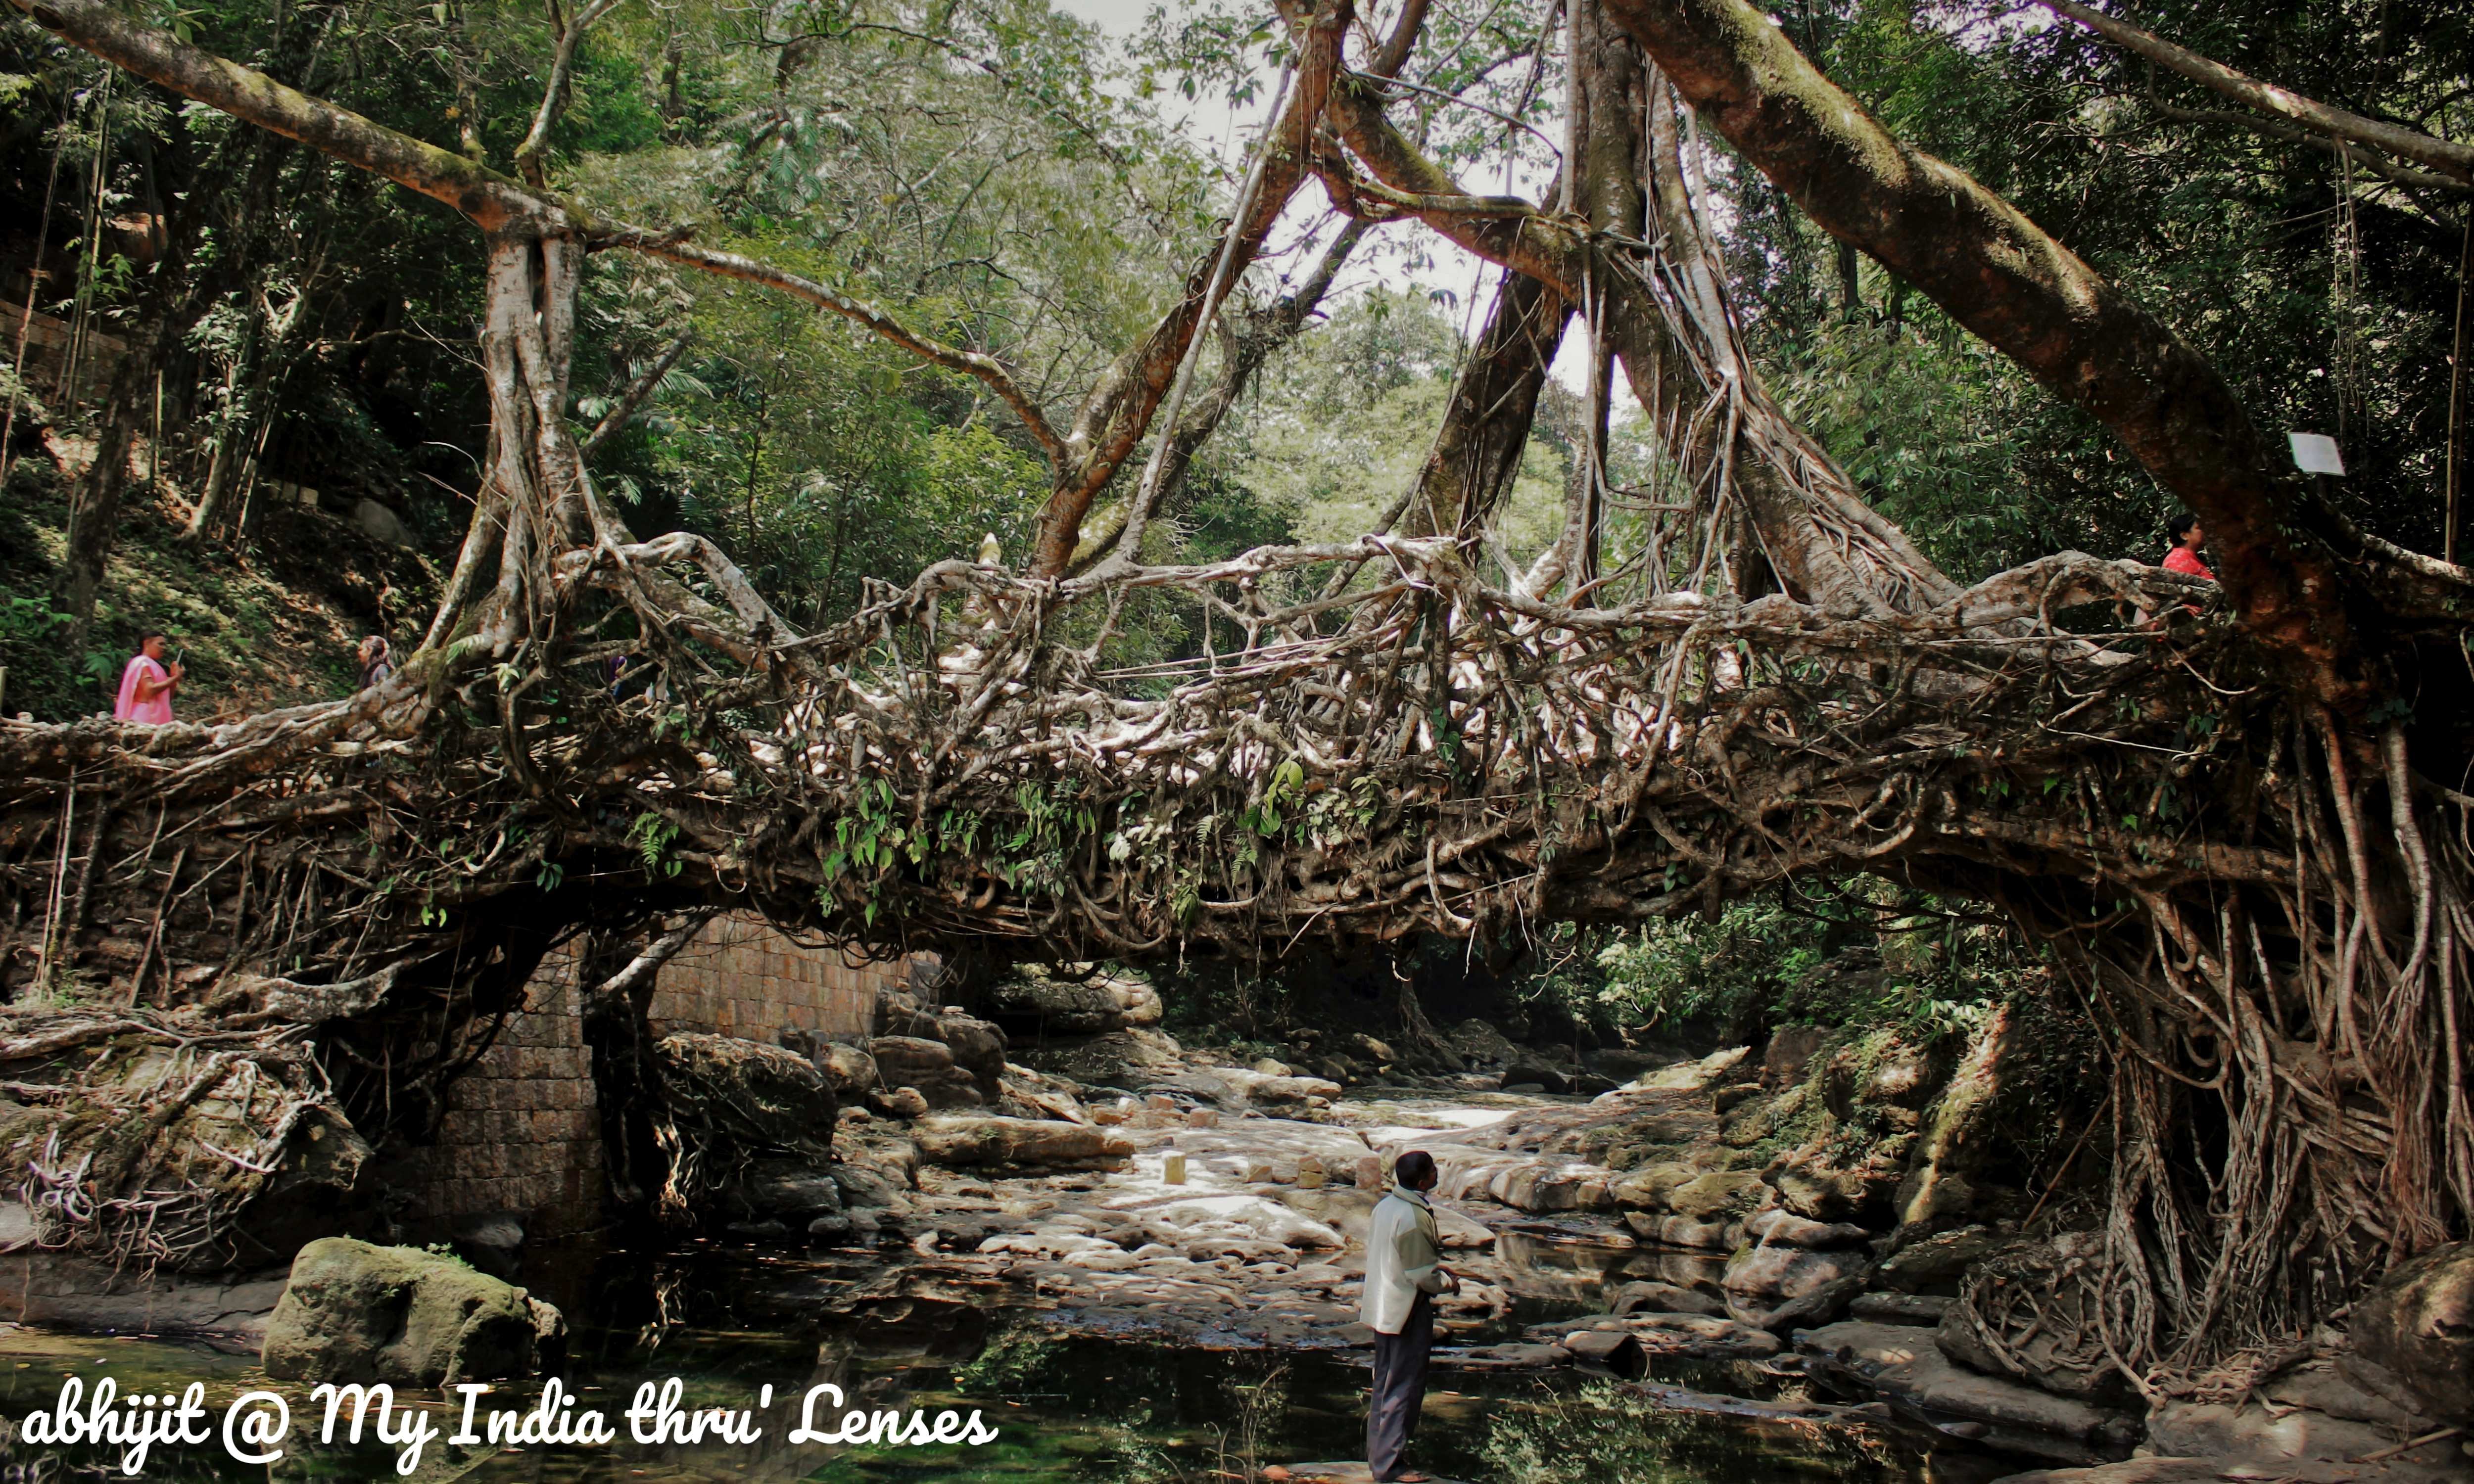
(2264, 917)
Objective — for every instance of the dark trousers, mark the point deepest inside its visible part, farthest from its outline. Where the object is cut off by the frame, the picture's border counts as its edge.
(1400, 1386)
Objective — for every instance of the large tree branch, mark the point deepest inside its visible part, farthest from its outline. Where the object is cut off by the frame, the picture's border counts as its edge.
(2377, 163)
(1119, 410)
(528, 154)
(1476, 453)
(2455, 160)
(1819, 535)
(490, 198)
(970, 362)
(1255, 335)
(2003, 277)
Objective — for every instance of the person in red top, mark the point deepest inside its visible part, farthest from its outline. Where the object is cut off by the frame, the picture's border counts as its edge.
(2188, 538)
(2183, 556)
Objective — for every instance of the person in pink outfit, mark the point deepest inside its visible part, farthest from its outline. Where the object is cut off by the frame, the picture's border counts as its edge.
(147, 683)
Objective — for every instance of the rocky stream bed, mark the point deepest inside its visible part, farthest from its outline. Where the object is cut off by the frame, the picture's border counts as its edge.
(1143, 1264)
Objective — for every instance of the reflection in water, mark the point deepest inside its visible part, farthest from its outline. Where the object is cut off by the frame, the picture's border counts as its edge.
(1598, 1432)
(1068, 1407)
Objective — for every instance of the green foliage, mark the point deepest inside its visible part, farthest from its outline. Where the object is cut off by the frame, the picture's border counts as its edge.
(2233, 238)
(1869, 955)
(650, 835)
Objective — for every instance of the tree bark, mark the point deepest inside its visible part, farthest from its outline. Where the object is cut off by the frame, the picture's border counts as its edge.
(94, 500)
(1477, 450)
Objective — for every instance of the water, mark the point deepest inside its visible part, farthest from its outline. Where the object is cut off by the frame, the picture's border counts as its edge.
(1113, 1410)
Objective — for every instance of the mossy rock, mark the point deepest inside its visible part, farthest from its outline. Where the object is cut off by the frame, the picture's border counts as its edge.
(354, 1312)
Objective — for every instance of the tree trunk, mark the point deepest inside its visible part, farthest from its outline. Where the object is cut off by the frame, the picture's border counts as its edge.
(94, 500)
(1477, 450)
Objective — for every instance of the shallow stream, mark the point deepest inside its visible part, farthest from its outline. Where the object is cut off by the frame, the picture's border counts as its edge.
(1112, 1410)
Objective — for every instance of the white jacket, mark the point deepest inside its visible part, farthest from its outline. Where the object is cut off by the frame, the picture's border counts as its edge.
(1402, 1260)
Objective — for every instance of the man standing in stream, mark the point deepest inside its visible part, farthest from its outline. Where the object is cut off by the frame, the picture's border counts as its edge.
(1404, 1271)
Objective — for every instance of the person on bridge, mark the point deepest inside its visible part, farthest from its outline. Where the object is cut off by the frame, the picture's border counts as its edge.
(146, 684)
(1404, 1271)
(378, 661)
(2187, 537)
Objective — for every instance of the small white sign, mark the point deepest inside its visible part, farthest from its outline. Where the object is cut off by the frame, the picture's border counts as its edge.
(2315, 453)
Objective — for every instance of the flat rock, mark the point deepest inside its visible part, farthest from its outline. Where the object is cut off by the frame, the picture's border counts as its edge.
(1899, 1309)
(1503, 1357)
(2255, 1434)
(959, 1140)
(58, 1291)
(1779, 1226)
(1902, 1365)
(1329, 1474)
(1683, 1337)
(1658, 1297)
(1717, 1067)
(1672, 1231)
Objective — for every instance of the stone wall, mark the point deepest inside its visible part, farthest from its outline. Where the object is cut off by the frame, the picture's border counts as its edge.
(523, 1131)
(741, 978)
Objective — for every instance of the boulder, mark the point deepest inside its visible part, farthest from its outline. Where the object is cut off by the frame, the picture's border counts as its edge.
(1716, 1195)
(1031, 1094)
(1781, 1227)
(929, 1066)
(493, 1241)
(1475, 1040)
(1827, 1180)
(789, 1190)
(1936, 1264)
(848, 1070)
(755, 1096)
(382, 523)
(1790, 1053)
(958, 1141)
(725, 1103)
(1037, 1002)
(356, 1312)
(2347, 1388)
(1610, 1349)
(1126, 1059)
(1529, 1070)
(1647, 1189)
(2418, 1324)
(2030, 1313)
(899, 1102)
(1764, 1281)
(979, 1049)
